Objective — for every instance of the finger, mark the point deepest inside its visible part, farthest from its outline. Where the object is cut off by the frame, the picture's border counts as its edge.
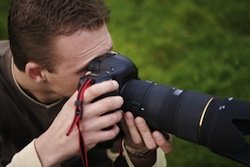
(145, 133)
(100, 136)
(99, 89)
(102, 106)
(69, 105)
(162, 142)
(102, 122)
(133, 131)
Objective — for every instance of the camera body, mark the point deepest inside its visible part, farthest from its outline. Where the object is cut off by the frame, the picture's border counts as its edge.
(113, 66)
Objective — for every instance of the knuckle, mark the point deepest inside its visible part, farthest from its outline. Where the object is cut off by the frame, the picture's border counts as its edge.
(142, 126)
(120, 100)
(112, 133)
(114, 84)
(108, 104)
(117, 116)
(90, 93)
(112, 103)
(137, 141)
(152, 146)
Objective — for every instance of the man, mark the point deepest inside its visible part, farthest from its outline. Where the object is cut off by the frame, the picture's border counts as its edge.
(50, 45)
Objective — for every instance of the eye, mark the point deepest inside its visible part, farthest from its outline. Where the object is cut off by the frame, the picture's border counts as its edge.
(82, 70)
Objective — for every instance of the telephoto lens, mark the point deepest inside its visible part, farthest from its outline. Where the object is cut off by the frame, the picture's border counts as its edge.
(223, 125)
(219, 124)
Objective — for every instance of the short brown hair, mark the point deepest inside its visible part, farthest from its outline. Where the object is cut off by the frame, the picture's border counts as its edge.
(32, 24)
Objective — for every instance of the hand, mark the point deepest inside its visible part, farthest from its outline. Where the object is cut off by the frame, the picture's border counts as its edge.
(139, 137)
(54, 146)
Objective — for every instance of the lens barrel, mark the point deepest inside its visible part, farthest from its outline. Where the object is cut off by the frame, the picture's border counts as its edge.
(219, 124)
(164, 108)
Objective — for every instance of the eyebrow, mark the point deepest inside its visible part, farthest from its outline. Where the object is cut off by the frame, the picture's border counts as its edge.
(84, 68)
(92, 48)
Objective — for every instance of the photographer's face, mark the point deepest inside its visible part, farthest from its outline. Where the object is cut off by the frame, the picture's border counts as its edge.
(74, 52)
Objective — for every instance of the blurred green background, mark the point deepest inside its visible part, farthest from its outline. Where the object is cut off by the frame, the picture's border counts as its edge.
(200, 45)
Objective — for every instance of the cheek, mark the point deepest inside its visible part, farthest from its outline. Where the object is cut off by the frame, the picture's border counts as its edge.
(71, 85)
(67, 85)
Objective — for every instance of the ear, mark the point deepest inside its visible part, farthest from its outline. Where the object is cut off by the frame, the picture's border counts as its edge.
(35, 72)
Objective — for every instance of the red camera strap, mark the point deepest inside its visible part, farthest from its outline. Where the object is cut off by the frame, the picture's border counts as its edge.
(78, 116)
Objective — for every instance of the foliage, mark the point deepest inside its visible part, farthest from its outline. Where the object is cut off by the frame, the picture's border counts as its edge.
(4, 4)
(196, 45)
(200, 45)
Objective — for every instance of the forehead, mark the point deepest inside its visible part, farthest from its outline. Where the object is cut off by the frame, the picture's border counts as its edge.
(82, 45)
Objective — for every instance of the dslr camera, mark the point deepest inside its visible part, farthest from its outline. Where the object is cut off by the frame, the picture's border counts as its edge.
(221, 124)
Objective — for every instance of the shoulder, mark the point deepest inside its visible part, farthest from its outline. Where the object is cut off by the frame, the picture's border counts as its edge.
(5, 55)
(7, 105)
(4, 47)
(5, 100)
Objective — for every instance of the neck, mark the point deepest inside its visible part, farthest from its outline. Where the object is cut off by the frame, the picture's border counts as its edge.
(37, 91)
